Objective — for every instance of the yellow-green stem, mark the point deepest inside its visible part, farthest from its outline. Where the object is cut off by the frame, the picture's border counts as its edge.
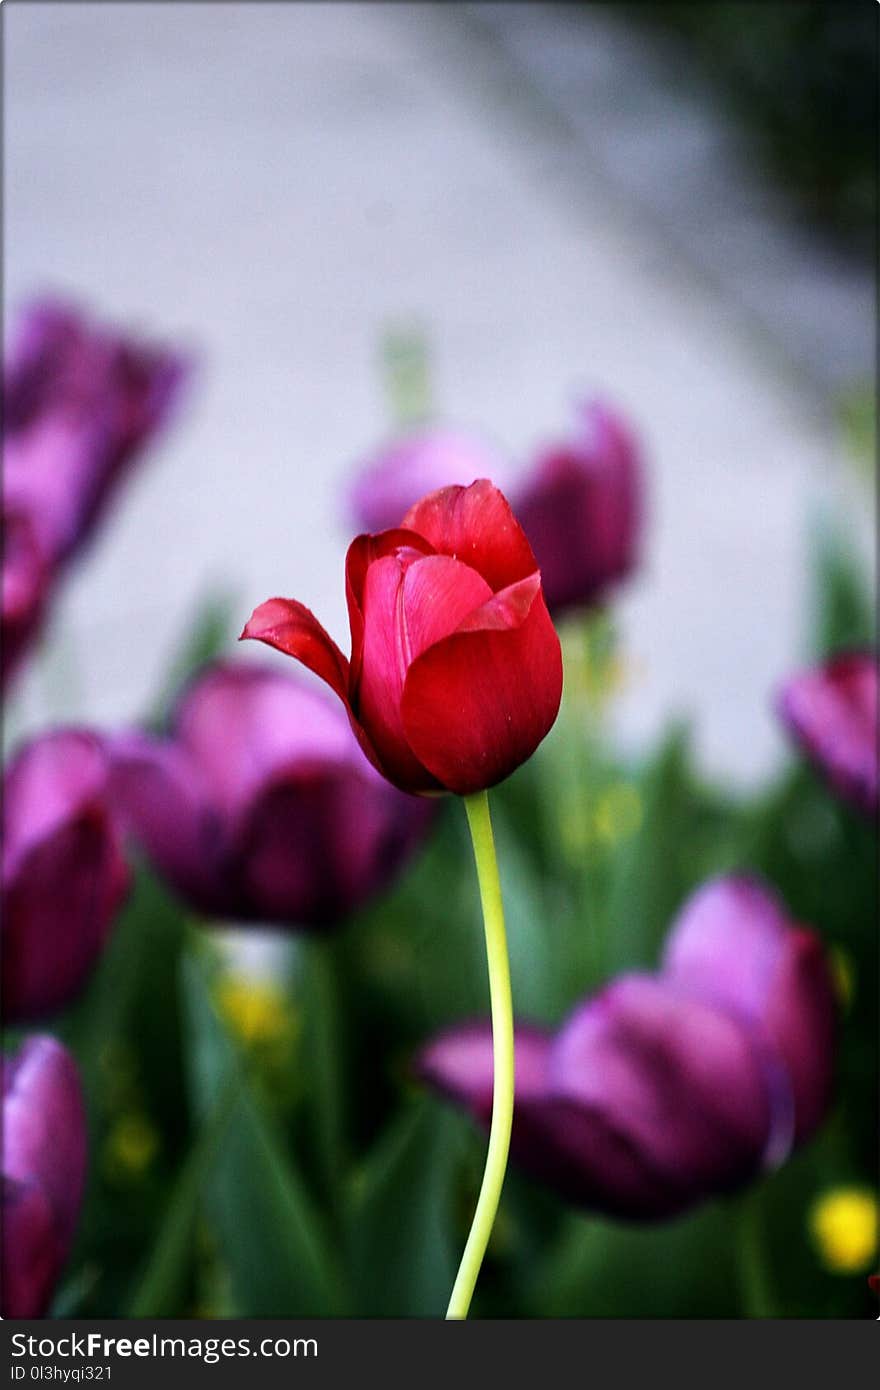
(480, 824)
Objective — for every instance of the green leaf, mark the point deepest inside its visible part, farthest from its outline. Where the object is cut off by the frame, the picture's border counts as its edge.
(649, 878)
(401, 1215)
(535, 944)
(266, 1226)
(168, 1275)
(842, 609)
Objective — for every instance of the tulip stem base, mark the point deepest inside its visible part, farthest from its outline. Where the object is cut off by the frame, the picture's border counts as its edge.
(480, 823)
(757, 1293)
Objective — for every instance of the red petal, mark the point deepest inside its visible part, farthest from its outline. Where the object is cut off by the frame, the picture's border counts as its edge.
(475, 524)
(291, 628)
(439, 596)
(477, 704)
(362, 552)
(384, 662)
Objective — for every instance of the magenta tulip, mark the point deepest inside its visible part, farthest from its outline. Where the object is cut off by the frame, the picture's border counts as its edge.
(44, 1167)
(64, 875)
(80, 402)
(581, 508)
(832, 713)
(413, 465)
(259, 805)
(662, 1091)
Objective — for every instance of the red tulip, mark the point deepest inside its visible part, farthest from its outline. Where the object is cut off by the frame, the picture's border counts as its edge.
(455, 674)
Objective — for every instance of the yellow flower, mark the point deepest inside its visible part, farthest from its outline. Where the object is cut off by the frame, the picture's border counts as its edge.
(255, 1010)
(131, 1146)
(843, 975)
(844, 1226)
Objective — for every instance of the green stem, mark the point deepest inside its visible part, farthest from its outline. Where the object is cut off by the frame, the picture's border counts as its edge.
(755, 1283)
(480, 824)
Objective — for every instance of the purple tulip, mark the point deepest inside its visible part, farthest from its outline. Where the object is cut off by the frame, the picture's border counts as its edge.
(26, 584)
(44, 1167)
(832, 713)
(260, 806)
(734, 945)
(64, 876)
(79, 403)
(408, 468)
(581, 508)
(664, 1090)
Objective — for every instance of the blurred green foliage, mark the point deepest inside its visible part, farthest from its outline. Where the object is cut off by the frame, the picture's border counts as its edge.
(261, 1148)
(801, 77)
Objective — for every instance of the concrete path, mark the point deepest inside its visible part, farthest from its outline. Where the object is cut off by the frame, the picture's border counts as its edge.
(277, 185)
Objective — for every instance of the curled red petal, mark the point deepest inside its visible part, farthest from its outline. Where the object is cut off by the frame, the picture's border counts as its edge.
(476, 525)
(292, 628)
(440, 596)
(384, 661)
(477, 704)
(361, 554)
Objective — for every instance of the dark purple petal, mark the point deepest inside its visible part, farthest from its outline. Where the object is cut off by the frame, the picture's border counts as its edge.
(260, 805)
(832, 713)
(674, 1080)
(64, 874)
(351, 834)
(580, 506)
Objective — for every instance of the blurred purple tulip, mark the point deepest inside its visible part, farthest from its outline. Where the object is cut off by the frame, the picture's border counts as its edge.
(26, 582)
(64, 875)
(260, 806)
(581, 507)
(664, 1090)
(832, 713)
(408, 468)
(580, 503)
(79, 403)
(734, 945)
(44, 1167)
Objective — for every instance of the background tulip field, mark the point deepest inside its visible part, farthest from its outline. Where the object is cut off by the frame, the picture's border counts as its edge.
(244, 989)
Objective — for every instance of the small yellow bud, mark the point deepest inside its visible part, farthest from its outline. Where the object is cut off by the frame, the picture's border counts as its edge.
(256, 1010)
(844, 1225)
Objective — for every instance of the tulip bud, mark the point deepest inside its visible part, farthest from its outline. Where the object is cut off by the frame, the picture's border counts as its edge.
(455, 674)
(44, 1165)
(832, 713)
(259, 806)
(581, 507)
(408, 468)
(662, 1091)
(64, 876)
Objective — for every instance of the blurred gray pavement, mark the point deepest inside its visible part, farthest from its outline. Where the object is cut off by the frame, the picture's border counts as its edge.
(276, 185)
